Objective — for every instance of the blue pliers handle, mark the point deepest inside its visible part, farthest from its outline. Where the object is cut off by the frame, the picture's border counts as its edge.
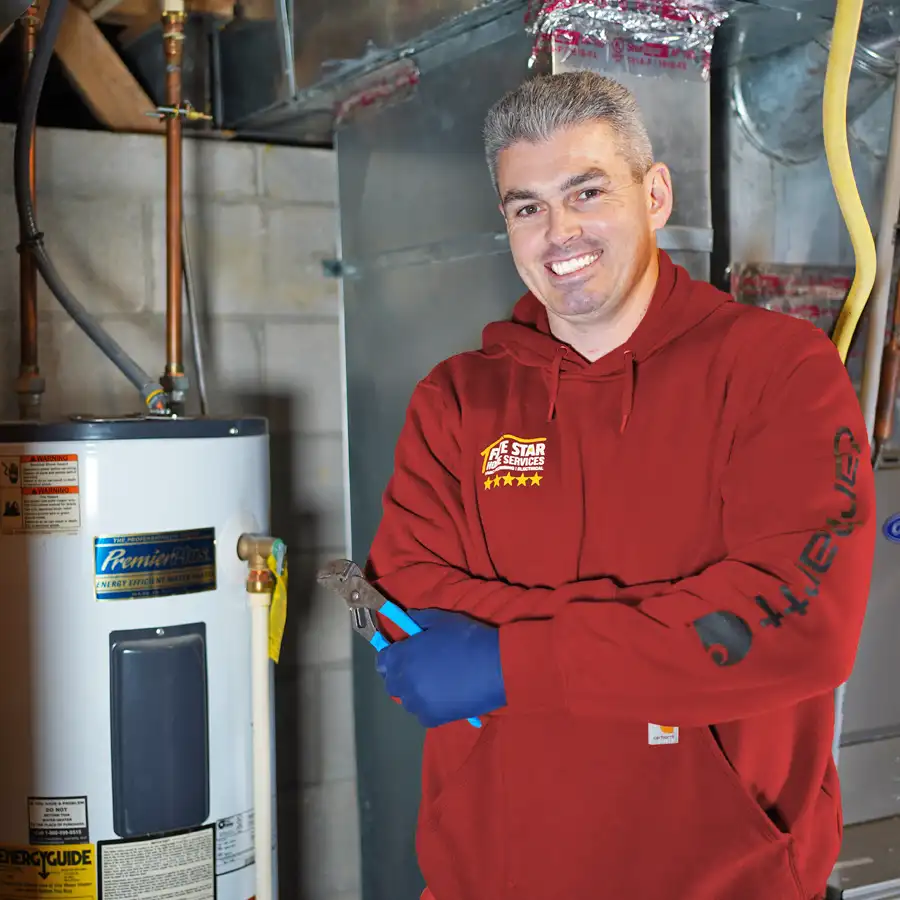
(345, 578)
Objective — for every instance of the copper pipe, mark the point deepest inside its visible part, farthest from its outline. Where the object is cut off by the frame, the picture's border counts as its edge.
(173, 43)
(887, 385)
(29, 385)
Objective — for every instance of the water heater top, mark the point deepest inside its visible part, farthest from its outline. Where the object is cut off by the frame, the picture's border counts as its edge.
(131, 428)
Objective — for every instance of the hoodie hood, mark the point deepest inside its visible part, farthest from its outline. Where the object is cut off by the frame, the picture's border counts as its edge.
(678, 304)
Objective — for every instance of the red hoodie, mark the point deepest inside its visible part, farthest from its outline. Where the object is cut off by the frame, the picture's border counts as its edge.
(676, 542)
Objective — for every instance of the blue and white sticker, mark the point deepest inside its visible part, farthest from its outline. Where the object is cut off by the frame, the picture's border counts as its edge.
(891, 528)
(165, 564)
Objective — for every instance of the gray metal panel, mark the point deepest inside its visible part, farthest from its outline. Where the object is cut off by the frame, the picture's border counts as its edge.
(677, 115)
(870, 777)
(869, 767)
(412, 175)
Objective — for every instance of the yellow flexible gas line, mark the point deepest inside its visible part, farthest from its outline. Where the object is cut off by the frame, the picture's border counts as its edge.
(834, 122)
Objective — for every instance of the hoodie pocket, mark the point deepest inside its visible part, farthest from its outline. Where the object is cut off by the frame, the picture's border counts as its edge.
(743, 799)
(561, 807)
(461, 837)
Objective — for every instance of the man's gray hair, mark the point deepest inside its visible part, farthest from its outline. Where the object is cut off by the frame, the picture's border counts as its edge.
(543, 105)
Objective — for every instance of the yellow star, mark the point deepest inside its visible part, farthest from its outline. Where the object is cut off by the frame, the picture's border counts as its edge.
(496, 481)
(507, 478)
(536, 479)
(487, 484)
(522, 480)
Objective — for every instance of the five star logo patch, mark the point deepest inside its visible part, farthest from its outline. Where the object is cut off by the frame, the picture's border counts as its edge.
(512, 461)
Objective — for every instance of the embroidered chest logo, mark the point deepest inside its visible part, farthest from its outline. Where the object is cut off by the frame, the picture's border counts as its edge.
(513, 462)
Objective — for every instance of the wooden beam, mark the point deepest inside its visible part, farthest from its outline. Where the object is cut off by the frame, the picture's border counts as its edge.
(101, 77)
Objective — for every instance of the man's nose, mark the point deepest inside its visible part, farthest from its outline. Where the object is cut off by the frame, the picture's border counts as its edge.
(562, 226)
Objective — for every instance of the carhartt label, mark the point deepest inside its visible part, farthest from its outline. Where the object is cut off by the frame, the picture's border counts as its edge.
(662, 734)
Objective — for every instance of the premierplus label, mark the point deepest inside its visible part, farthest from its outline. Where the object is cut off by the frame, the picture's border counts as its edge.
(155, 565)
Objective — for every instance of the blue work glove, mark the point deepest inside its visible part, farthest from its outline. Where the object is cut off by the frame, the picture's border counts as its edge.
(448, 672)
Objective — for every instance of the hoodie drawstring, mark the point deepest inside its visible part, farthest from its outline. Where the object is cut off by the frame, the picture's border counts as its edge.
(627, 387)
(627, 391)
(555, 367)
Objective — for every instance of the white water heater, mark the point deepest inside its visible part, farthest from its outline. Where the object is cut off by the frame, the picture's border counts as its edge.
(125, 707)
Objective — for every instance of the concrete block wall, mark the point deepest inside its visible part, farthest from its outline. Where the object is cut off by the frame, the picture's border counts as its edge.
(261, 220)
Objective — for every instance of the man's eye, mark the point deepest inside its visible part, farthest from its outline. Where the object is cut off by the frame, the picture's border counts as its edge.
(589, 194)
(527, 211)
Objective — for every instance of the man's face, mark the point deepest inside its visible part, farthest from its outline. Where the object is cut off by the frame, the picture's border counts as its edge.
(581, 229)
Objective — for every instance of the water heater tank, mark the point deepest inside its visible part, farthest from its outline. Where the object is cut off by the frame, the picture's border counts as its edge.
(125, 664)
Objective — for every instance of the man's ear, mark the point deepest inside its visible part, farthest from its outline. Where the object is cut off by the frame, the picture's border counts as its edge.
(660, 197)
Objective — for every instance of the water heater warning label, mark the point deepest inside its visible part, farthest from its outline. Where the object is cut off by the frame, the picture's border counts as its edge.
(155, 565)
(36, 873)
(57, 820)
(39, 494)
(173, 867)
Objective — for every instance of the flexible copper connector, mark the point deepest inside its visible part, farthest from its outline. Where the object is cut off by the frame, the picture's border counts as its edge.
(173, 43)
(887, 384)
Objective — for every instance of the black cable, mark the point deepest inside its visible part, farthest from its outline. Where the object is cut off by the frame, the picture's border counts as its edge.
(32, 239)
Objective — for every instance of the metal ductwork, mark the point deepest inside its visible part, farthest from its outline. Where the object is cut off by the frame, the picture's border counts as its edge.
(292, 70)
(777, 97)
(318, 58)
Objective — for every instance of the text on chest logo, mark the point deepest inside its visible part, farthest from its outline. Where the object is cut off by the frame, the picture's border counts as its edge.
(512, 461)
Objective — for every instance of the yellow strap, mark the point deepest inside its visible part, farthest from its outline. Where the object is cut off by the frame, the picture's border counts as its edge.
(278, 608)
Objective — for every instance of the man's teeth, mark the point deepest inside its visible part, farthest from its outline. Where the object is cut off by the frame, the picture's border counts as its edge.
(568, 266)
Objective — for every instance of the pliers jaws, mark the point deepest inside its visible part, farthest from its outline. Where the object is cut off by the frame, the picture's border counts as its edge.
(345, 578)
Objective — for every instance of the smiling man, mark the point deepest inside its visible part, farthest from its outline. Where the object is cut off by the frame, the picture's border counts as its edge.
(637, 529)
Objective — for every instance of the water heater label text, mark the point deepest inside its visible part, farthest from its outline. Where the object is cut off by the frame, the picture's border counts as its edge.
(164, 564)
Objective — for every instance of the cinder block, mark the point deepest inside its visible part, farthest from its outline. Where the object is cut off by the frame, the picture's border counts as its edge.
(220, 169)
(225, 242)
(9, 365)
(9, 259)
(307, 490)
(298, 240)
(81, 380)
(315, 729)
(97, 246)
(233, 366)
(319, 485)
(298, 727)
(318, 631)
(303, 360)
(318, 842)
(337, 734)
(303, 175)
(326, 637)
(330, 848)
(101, 164)
(7, 142)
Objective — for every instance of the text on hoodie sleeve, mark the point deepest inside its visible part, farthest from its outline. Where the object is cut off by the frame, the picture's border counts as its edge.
(775, 622)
